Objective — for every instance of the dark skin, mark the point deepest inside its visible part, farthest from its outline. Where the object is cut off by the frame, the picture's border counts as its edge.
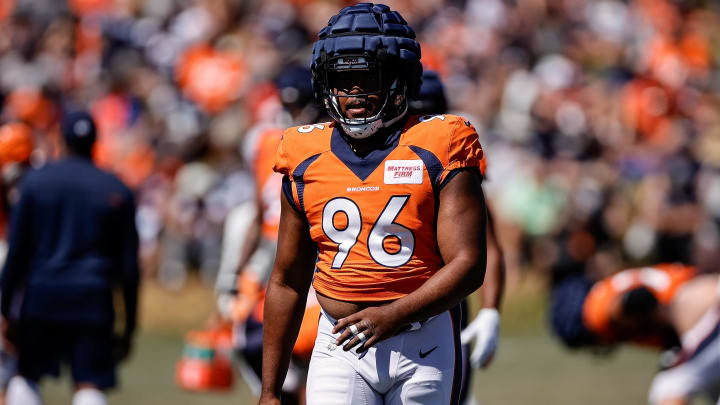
(461, 245)
(285, 299)
(352, 83)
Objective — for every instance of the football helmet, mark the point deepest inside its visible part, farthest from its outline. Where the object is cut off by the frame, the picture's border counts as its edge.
(375, 43)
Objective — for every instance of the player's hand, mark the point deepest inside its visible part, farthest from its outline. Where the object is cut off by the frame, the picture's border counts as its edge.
(366, 327)
(485, 329)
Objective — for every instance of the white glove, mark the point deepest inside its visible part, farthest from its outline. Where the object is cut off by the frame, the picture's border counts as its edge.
(485, 329)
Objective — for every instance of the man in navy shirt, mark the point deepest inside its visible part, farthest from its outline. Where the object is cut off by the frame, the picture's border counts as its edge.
(72, 242)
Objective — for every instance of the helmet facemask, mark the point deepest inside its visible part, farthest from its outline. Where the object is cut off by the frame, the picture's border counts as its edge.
(369, 91)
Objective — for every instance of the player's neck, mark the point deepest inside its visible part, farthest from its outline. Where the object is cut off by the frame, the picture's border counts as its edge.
(363, 147)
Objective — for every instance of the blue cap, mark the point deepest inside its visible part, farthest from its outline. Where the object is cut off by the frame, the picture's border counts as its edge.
(78, 130)
(294, 83)
(431, 99)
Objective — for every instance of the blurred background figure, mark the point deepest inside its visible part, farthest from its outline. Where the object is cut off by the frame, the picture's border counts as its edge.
(250, 239)
(16, 144)
(668, 306)
(72, 241)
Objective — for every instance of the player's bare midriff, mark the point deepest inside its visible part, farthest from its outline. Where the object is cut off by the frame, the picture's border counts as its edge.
(340, 309)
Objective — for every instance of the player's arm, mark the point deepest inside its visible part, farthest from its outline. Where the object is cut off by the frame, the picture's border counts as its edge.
(485, 328)
(461, 232)
(461, 237)
(494, 286)
(285, 298)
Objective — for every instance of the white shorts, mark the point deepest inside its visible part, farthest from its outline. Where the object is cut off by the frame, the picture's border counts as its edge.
(698, 371)
(422, 366)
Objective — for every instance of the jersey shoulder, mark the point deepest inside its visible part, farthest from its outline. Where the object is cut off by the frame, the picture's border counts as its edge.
(451, 139)
(300, 143)
(440, 126)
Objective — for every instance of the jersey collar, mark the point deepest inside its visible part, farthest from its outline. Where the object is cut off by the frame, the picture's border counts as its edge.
(363, 167)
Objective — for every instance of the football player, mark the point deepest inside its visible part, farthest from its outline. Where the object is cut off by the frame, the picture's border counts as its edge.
(666, 306)
(484, 330)
(384, 212)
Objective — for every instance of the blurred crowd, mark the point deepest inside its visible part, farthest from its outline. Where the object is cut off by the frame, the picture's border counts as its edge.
(600, 119)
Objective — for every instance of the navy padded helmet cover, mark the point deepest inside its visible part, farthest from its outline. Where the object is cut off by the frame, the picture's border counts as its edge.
(363, 29)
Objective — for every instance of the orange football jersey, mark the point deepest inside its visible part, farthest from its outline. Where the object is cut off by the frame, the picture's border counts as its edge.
(662, 280)
(267, 182)
(374, 218)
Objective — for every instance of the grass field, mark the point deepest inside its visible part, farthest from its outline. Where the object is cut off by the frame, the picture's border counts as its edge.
(530, 367)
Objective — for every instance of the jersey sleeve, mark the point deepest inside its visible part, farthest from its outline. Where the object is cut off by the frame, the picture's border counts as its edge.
(282, 160)
(464, 150)
(283, 166)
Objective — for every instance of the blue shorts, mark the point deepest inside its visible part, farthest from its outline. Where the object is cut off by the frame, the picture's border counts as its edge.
(42, 346)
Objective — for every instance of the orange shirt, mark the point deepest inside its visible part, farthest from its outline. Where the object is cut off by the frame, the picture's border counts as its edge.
(268, 183)
(374, 218)
(212, 79)
(662, 280)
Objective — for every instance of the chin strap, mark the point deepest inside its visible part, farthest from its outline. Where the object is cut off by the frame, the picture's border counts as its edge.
(362, 131)
(396, 119)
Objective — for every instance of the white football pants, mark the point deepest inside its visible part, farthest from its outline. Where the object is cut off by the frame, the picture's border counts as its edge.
(699, 373)
(419, 367)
